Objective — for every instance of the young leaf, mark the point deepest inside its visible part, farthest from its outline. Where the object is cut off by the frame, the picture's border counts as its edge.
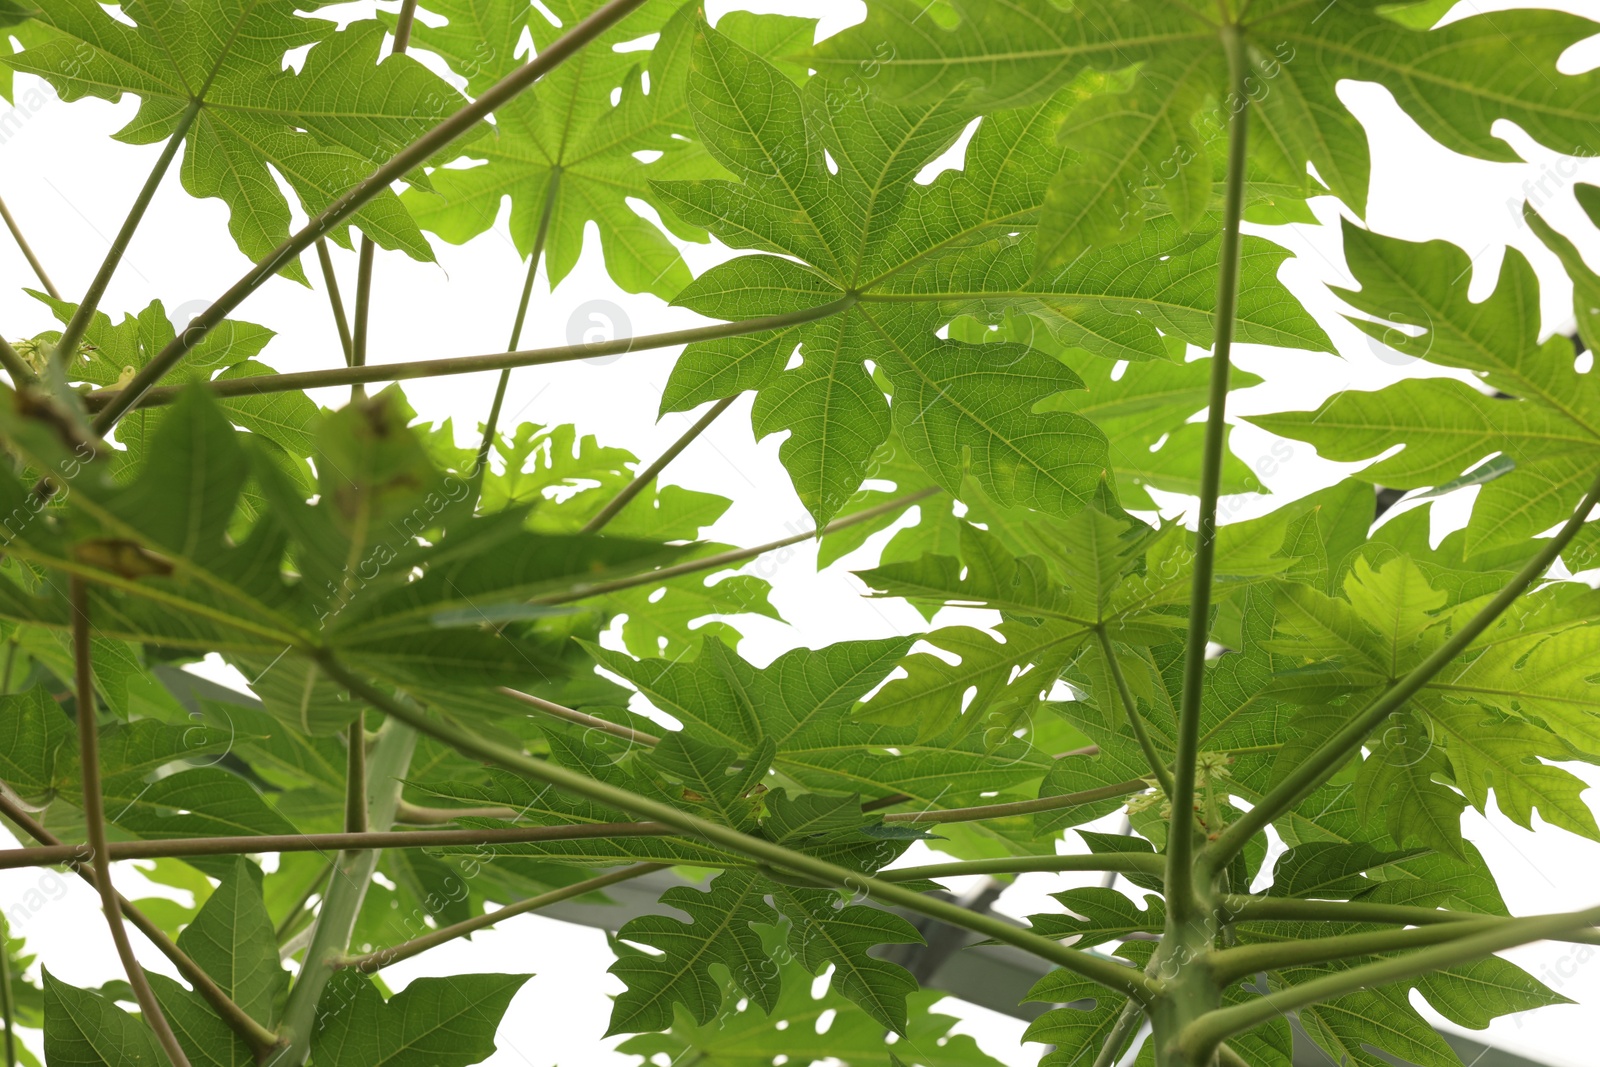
(812, 1029)
(432, 1022)
(84, 1029)
(322, 129)
(823, 179)
(721, 930)
(569, 152)
(233, 941)
(1328, 870)
(36, 740)
(802, 704)
(1107, 916)
(1154, 86)
(1547, 431)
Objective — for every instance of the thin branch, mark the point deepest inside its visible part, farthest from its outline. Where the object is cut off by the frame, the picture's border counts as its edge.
(121, 400)
(1113, 975)
(1332, 753)
(492, 423)
(355, 776)
(358, 329)
(1240, 909)
(1204, 1034)
(292, 918)
(1227, 1057)
(417, 815)
(16, 366)
(1231, 964)
(1180, 878)
(648, 475)
(896, 799)
(402, 27)
(67, 346)
(8, 1007)
(396, 167)
(348, 881)
(729, 558)
(1020, 807)
(94, 820)
(375, 961)
(986, 811)
(258, 1037)
(27, 252)
(185, 847)
(367, 250)
(1122, 1032)
(331, 280)
(1158, 766)
(558, 711)
(1121, 862)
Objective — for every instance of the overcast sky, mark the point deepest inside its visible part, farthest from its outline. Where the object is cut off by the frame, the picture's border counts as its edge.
(70, 185)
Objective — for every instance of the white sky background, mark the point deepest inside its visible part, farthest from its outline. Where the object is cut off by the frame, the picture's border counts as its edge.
(70, 186)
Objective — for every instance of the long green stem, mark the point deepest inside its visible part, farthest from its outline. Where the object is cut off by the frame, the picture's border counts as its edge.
(1158, 766)
(1121, 862)
(14, 365)
(402, 27)
(335, 302)
(293, 918)
(1122, 1032)
(650, 473)
(27, 252)
(396, 167)
(258, 1037)
(492, 423)
(121, 400)
(358, 328)
(1112, 975)
(1006, 810)
(1180, 880)
(1227, 1057)
(1331, 754)
(347, 888)
(1200, 1037)
(1231, 964)
(410, 814)
(355, 777)
(67, 346)
(638, 737)
(8, 1007)
(1239, 909)
(729, 558)
(94, 822)
(250, 845)
(375, 961)
(1013, 808)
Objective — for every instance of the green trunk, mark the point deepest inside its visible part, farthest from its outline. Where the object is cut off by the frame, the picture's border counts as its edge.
(387, 763)
(1189, 987)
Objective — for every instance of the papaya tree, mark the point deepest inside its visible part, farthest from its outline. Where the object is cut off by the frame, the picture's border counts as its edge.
(985, 265)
